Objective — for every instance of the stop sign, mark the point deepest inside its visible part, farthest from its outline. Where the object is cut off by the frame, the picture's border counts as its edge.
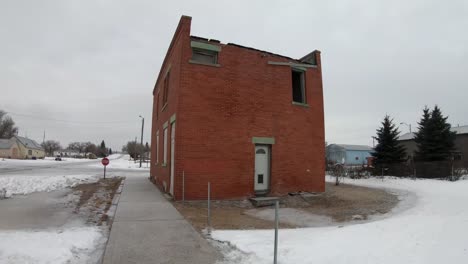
(105, 161)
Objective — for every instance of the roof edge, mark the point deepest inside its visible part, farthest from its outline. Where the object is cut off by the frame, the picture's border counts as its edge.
(183, 20)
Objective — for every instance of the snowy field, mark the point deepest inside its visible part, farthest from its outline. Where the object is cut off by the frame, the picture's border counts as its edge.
(72, 245)
(432, 230)
(119, 161)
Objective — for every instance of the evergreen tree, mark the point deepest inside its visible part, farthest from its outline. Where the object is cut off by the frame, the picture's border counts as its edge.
(110, 151)
(434, 139)
(388, 150)
(102, 149)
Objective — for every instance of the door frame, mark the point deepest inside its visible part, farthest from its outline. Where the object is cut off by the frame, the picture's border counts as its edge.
(172, 160)
(268, 189)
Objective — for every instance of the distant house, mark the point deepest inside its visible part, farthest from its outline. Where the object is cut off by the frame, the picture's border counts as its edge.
(28, 148)
(349, 155)
(68, 153)
(461, 143)
(9, 149)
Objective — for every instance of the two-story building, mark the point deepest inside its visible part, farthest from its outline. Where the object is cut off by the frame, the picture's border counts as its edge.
(248, 121)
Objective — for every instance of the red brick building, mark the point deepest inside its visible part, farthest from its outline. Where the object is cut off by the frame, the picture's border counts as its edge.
(249, 121)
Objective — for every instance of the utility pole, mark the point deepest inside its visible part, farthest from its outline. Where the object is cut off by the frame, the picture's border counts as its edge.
(43, 138)
(408, 125)
(141, 138)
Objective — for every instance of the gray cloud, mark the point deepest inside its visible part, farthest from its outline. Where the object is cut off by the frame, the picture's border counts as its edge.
(97, 61)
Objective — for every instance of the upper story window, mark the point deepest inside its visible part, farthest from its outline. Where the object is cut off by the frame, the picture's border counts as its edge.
(205, 53)
(204, 56)
(298, 86)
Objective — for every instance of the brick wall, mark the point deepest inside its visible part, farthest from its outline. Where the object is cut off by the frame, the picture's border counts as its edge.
(220, 109)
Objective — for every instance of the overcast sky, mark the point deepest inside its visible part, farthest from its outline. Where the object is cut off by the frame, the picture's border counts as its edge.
(85, 70)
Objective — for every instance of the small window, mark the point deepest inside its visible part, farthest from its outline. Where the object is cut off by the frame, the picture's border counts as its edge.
(298, 86)
(260, 151)
(260, 178)
(29, 152)
(205, 56)
(166, 88)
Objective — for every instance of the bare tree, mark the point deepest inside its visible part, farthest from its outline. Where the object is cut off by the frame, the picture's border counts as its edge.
(90, 148)
(76, 146)
(134, 149)
(50, 146)
(7, 126)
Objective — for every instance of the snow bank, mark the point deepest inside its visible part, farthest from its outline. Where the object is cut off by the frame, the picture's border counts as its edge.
(75, 245)
(19, 184)
(432, 231)
(119, 161)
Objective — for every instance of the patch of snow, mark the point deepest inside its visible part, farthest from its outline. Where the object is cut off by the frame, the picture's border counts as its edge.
(431, 231)
(19, 184)
(74, 245)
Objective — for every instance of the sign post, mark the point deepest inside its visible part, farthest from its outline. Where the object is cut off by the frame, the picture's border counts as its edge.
(105, 162)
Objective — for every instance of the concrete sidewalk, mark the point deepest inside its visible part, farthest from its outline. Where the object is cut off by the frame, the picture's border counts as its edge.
(148, 229)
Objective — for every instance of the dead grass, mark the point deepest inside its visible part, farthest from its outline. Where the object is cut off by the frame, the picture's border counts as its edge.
(96, 198)
(341, 203)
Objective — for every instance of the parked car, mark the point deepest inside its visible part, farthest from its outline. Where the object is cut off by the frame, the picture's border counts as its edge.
(58, 158)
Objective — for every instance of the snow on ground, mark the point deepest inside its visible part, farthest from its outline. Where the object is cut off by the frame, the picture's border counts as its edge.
(433, 230)
(38, 162)
(22, 184)
(119, 161)
(74, 245)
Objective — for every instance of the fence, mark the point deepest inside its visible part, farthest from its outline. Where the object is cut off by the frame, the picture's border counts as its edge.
(451, 169)
(424, 169)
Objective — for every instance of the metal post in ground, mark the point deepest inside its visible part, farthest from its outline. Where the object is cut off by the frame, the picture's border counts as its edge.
(141, 139)
(183, 187)
(105, 172)
(275, 257)
(209, 209)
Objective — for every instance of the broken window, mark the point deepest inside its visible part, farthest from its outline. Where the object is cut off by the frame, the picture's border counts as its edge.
(204, 56)
(298, 86)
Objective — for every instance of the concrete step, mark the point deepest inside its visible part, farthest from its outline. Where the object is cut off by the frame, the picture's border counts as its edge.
(263, 201)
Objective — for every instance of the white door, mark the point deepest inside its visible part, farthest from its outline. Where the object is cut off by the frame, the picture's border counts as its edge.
(172, 157)
(262, 168)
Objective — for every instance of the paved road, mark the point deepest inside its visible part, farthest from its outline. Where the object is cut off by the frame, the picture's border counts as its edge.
(48, 209)
(148, 229)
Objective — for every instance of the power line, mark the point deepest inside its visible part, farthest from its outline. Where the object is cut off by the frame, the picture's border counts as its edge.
(68, 121)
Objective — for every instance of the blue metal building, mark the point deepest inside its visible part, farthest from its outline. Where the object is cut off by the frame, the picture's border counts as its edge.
(351, 155)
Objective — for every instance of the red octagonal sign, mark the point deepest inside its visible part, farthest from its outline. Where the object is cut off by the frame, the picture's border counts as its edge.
(105, 161)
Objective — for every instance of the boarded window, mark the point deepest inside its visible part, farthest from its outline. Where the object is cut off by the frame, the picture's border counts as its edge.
(166, 88)
(298, 86)
(157, 147)
(157, 107)
(205, 56)
(165, 146)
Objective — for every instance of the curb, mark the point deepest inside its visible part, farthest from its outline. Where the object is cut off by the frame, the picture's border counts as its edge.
(115, 201)
(111, 214)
